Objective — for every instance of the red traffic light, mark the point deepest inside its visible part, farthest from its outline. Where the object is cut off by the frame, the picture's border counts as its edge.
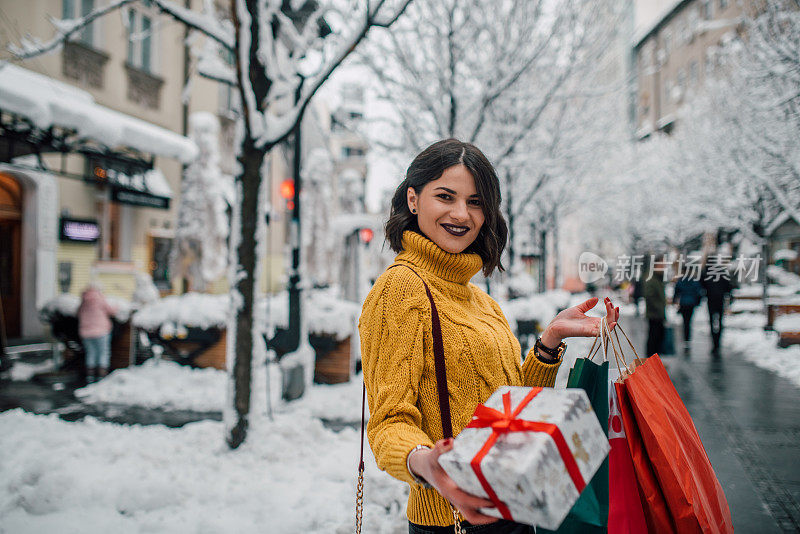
(287, 189)
(366, 234)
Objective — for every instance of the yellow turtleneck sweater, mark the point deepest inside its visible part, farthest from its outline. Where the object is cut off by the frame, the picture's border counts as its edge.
(481, 354)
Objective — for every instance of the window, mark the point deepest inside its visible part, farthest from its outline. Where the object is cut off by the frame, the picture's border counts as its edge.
(228, 94)
(708, 9)
(666, 43)
(73, 9)
(349, 152)
(109, 215)
(160, 248)
(140, 49)
(723, 4)
(693, 73)
(681, 83)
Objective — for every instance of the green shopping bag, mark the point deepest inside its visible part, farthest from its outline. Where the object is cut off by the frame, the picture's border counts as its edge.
(590, 512)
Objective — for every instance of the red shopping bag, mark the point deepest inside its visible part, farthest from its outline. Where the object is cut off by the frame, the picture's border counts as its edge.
(679, 461)
(625, 513)
(654, 506)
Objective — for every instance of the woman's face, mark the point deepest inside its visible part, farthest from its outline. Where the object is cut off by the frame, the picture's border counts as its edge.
(449, 210)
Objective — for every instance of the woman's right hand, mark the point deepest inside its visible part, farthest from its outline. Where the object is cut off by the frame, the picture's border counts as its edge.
(425, 464)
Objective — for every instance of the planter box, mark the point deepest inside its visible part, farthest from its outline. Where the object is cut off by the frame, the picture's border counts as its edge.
(333, 360)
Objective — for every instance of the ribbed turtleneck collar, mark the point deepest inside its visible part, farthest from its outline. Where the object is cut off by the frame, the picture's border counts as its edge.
(421, 252)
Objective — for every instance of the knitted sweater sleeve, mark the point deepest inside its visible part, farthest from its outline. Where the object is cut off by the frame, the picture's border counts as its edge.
(392, 329)
(536, 373)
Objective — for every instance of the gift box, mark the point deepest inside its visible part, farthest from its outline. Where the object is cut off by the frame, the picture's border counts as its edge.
(531, 451)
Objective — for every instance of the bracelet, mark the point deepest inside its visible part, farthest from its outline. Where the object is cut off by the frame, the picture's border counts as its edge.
(554, 353)
(421, 481)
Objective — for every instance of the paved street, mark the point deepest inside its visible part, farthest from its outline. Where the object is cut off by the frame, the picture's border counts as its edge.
(749, 421)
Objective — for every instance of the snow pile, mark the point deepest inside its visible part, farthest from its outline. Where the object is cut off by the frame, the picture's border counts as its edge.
(521, 284)
(160, 384)
(541, 307)
(67, 304)
(773, 290)
(783, 277)
(761, 348)
(785, 254)
(291, 475)
(190, 309)
(789, 322)
(323, 312)
(747, 305)
(168, 385)
(742, 321)
(23, 371)
(145, 291)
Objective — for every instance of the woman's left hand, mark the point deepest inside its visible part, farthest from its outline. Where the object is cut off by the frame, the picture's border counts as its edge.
(573, 322)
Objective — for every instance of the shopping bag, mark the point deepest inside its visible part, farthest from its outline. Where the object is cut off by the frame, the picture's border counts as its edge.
(654, 505)
(694, 496)
(668, 343)
(589, 514)
(625, 513)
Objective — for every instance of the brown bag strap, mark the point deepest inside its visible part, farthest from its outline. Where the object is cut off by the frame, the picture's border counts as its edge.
(439, 366)
(441, 390)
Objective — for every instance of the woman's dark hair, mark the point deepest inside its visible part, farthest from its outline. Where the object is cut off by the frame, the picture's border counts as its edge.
(429, 165)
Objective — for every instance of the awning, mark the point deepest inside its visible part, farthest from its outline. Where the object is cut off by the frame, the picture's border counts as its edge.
(46, 102)
(131, 184)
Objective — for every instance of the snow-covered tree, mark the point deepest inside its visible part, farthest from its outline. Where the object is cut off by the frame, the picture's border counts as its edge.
(284, 51)
(201, 233)
(518, 83)
(733, 160)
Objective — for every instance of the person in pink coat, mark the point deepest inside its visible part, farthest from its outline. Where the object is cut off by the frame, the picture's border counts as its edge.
(94, 327)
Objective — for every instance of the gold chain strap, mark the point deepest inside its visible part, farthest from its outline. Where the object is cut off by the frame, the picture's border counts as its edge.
(457, 520)
(359, 500)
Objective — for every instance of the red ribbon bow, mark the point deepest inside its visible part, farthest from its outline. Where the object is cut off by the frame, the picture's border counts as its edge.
(506, 421)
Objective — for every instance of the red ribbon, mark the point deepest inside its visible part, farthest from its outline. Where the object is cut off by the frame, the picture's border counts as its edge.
(506, 421)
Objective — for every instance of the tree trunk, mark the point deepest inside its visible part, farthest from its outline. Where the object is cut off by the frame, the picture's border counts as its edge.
(241, 336)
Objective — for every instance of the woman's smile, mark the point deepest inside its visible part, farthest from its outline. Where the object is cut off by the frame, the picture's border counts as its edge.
(458, 231)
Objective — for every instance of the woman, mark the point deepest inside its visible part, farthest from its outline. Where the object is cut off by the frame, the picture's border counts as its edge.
(94, 327)
(446, 225)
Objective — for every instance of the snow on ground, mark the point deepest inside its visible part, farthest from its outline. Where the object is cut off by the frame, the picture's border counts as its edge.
(162, 384)
(761, 348)
(789, 322)
(168, 385)
(291, 475)
(22, 371)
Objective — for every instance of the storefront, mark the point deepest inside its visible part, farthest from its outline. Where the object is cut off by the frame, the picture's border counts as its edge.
(85, 192)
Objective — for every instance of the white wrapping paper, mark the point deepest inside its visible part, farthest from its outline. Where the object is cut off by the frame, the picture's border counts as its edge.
(525, 469)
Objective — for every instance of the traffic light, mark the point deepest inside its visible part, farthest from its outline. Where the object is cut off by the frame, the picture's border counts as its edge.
(287, 192)
(366, 235)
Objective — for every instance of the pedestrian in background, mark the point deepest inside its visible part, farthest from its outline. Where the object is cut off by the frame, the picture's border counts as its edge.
(94, 327)
(655, 304)
(717, 286)
(688, 294)
(638, 291)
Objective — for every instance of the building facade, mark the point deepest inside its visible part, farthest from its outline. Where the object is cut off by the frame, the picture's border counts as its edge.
(95, 194)
(674, 51)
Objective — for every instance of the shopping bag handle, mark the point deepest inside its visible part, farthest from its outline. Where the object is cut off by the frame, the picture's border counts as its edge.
(619, 355)
(601, 335)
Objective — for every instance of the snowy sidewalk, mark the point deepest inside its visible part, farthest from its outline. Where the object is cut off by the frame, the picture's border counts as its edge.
(748, 418)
